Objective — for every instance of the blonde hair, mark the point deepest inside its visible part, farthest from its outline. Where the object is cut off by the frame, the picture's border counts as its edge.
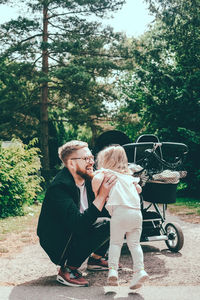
(113, 158)
(68, 148)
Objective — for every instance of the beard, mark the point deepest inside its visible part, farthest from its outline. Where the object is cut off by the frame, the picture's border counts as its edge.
(84, 174)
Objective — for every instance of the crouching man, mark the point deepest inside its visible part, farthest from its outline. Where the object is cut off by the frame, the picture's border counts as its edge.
(70, 226)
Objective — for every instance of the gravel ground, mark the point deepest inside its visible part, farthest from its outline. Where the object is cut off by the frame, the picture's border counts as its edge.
(31, 266)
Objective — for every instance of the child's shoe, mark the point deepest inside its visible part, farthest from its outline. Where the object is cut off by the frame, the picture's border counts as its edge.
(112, 277)
(138, 279)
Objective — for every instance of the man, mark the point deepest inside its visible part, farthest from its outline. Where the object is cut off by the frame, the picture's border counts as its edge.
(70, 227)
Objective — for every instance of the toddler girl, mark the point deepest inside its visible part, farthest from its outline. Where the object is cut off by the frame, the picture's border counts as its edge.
(123, 205)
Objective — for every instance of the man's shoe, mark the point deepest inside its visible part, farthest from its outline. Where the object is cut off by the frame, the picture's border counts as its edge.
(71, 277)
(100, 264)
(138, 279)
(97, 264)
(112, 277)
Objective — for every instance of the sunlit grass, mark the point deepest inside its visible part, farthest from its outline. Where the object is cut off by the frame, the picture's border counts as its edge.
(188, 206)
(17, 224)
(189, 202)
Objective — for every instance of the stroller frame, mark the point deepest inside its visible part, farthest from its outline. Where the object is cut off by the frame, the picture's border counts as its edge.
(146, 148)
(151, 154)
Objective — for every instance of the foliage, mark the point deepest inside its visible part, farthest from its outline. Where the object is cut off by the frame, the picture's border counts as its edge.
(164, 86)
(19, 177)
(61, 133)
(70, 56)
(189, 202)
(18, 101)
(40, 197)
(127, 117)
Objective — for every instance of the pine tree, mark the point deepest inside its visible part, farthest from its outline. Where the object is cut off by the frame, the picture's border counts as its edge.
(68, 53)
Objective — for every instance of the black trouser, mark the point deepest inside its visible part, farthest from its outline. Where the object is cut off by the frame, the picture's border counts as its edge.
(96, 239)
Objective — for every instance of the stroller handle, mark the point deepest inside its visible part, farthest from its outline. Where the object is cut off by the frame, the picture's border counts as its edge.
(155, 145)
(149, 152)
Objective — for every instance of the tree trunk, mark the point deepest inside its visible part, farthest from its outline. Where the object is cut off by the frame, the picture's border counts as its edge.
(44, 138)
(94, 134)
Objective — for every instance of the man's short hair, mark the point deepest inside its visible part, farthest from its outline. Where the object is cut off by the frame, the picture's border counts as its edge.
(68, 148)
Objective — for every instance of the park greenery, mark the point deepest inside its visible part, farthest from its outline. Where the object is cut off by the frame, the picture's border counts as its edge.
(163, 90)
(63, 76)
(19, 177)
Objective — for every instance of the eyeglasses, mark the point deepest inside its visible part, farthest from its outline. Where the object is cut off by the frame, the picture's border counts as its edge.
(87, 159)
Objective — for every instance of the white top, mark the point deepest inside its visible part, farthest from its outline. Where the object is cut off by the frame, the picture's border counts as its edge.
(83, 198)
(124, 192)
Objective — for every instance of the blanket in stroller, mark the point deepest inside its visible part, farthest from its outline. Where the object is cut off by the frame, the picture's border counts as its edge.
(160, 187)
(169, 176)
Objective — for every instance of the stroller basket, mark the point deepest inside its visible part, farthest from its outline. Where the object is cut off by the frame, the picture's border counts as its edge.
(159, 192)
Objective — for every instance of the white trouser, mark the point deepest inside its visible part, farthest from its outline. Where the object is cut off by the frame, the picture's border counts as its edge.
(127, 221)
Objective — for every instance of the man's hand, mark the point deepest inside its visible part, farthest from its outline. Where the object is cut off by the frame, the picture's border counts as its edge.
(108, 182)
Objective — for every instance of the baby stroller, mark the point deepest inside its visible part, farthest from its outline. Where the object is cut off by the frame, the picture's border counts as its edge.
(156, 164)
(161, 168)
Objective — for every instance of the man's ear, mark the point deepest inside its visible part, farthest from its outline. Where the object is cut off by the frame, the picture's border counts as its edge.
(69, 164)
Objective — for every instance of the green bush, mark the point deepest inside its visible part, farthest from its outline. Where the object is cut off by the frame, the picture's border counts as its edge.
(19, 178)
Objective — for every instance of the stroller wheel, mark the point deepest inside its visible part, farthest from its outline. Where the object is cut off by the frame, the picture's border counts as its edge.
(175, 237)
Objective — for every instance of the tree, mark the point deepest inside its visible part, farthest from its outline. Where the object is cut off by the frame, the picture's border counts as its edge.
(59, 42)
(18, 101)
(166, 79)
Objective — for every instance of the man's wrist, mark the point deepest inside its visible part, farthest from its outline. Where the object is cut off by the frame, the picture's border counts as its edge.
(99, 202)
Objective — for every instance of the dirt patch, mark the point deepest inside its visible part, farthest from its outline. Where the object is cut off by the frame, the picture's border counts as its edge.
(185, 214)
(26, 263)
(13, 243)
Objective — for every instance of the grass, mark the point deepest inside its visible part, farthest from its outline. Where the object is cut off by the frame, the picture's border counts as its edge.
(17, 224)
(188, 206)
(18, 231)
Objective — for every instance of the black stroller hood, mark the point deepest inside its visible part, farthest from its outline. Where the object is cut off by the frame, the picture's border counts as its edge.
(109, 138)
